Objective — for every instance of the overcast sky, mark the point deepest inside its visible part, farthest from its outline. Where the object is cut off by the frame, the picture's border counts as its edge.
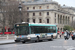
(70, 3)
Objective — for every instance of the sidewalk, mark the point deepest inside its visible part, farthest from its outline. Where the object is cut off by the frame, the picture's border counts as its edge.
(58, 37)
(7, 41)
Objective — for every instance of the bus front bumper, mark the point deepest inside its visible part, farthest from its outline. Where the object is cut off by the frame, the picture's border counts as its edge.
(21, 39)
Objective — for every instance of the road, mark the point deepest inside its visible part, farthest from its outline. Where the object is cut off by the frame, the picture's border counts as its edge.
(56, 44)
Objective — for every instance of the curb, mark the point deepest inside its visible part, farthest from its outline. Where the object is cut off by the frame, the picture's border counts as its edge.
(7, 43)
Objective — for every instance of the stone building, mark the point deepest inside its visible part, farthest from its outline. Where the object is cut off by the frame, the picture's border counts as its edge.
(1, 20)
(49, 12)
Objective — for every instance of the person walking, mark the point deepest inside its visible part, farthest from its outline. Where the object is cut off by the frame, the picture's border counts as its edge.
(67, 34)
(60, 34)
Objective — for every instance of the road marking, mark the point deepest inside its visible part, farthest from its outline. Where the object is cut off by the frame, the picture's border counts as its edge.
(71, 49)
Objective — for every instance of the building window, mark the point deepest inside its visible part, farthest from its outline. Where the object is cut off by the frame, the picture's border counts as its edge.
(40, 14)
(33, 20)
(40, 21)
(47, 7)
(47, 20)
(33, 7)
(47, 13)
(27, 8)
(40, 7)
(33, 14)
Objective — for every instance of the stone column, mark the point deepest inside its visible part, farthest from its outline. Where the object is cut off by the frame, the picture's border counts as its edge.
(30, 20)
(52, 18)
(56, 18)
(59, 19)
(70, 20)
(37, 20)
(62, 19)
(67, 19)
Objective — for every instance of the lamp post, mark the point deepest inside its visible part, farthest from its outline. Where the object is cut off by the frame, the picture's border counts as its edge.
(20, 8)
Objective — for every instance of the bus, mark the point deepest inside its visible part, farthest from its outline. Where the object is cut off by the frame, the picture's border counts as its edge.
(34, 31)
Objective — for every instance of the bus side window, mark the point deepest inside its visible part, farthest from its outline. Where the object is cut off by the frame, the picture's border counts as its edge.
(32, 30)
(54, 29)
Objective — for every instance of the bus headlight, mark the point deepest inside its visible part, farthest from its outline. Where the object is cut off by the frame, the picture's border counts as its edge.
(15, 37)
(28, 37)
(54, 34)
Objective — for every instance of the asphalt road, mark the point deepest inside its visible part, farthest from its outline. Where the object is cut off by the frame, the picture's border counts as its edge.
(56, 44)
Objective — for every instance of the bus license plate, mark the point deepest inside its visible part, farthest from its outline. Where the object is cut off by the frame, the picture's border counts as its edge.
(22, 40)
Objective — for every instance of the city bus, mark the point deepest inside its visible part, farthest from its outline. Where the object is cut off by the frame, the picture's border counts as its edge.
(34, 32)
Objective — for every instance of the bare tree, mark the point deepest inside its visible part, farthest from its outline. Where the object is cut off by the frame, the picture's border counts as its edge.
(2, 11)
(11, 14)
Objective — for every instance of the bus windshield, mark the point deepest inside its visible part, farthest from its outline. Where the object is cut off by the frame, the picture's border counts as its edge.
(22, 30)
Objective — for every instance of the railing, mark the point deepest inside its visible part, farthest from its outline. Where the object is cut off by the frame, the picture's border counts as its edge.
(7, 33)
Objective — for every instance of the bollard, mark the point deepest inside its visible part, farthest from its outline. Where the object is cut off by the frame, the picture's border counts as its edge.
(7, 36)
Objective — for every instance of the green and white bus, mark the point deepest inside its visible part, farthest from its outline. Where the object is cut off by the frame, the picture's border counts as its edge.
(34, 31)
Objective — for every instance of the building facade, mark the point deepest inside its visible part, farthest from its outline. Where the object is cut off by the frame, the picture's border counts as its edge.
(49, 12)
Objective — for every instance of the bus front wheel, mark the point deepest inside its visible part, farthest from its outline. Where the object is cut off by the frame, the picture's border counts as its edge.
(23, 41)
(51, 38)
(37, 39)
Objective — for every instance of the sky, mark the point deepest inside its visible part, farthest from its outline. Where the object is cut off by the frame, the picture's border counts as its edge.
(70, 3)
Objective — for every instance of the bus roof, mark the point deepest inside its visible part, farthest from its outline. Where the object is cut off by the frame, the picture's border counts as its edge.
(41, 24)
(37, 24)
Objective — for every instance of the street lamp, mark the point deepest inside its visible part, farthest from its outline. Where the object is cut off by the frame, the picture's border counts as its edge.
(20, 8)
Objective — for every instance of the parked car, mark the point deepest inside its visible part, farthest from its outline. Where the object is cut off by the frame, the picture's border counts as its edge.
(73, 35)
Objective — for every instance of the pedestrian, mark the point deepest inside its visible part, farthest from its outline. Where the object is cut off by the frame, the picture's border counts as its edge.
(67, 33)
(60, 34)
